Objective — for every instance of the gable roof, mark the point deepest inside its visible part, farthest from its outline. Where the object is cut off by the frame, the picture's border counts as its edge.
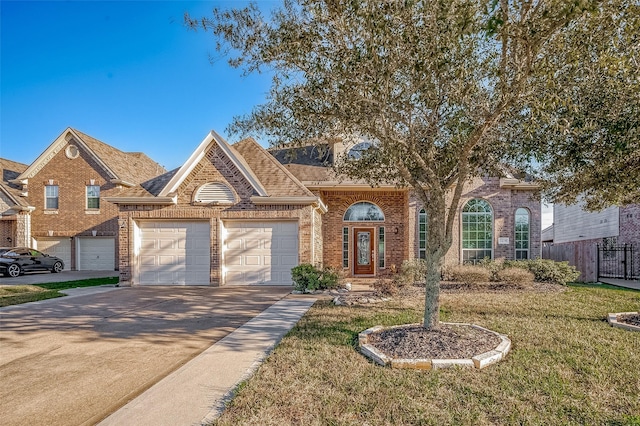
(124, 168)
(277, 180)
(271, 182)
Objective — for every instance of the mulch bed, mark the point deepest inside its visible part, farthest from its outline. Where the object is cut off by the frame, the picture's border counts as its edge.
(631, 319)
(446, 342)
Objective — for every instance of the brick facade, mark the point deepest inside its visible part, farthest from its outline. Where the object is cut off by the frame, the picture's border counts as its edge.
(72, 218)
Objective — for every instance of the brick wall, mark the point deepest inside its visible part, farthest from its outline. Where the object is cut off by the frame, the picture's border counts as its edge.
(394, 205)
(72, 219)
(504, 203)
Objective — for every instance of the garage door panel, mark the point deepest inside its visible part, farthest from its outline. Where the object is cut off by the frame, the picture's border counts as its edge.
(96, 254)
(59, 247)
(181, 253)
(269, 251)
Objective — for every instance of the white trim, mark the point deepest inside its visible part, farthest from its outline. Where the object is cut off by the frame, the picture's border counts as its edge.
(142, 200)
(284, 200)
(173, 185)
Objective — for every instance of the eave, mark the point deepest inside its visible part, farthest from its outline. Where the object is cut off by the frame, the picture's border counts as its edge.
(511, 183)
(143, 200)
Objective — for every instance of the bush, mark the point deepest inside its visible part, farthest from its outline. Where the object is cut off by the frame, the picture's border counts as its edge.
(386, 286)
(546, 270)
(469, 274)
(413, 271)
(493, 267)
(307, 277)
(515, 276)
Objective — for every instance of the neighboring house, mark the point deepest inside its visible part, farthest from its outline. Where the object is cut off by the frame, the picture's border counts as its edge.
(15, 218)
(238, 214)
(576, 234)
(65, 189)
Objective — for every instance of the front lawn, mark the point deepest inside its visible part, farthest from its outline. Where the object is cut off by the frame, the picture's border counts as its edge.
(18, 294)
(566, 366)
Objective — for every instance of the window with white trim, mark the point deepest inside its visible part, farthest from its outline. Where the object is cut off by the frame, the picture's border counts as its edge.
(477, 231)
(345, 247)
(381, 243)
(363, 211)
(51, 197)
(93, 196)
(422, 234)
(522, 234)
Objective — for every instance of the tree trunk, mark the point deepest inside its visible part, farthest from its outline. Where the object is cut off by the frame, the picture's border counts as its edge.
(438, 243)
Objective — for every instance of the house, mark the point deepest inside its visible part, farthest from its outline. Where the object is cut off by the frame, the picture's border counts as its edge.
(63, 192)
(15, 218)
(239, 214)
(576, 235)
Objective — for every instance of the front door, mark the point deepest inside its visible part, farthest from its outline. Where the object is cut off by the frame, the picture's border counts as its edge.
(363, 251)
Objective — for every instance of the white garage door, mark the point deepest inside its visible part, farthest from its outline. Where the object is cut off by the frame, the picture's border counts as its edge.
(260, 252)
(174, 253)
(96, 254)
(60, 247)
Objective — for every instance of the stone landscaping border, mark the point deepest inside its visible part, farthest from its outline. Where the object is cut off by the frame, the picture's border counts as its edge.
(479, 361)
(613, 320)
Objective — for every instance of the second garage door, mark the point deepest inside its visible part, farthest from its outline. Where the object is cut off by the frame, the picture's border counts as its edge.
(174, 253)
(260, 252)
(96, 254)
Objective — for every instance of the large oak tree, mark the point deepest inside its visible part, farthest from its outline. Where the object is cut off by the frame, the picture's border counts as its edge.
(449, 90)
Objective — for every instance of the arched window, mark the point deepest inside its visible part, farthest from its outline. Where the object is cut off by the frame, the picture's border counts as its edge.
(477, 231)
(363, 212)
(522, 234)
(355, 153)
(422, 234)
(215, 192)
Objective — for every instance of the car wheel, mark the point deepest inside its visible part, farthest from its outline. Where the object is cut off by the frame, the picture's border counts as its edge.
(57, 267)
(14, 270)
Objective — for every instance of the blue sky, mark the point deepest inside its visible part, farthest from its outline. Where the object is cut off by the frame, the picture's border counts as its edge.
(126, 72)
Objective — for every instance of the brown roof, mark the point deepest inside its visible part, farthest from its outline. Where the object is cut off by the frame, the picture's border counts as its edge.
(150, 188)
(274, 177)
(134, 167)
(11, 170)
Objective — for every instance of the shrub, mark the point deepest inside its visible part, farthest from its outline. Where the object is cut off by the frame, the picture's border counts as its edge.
(386, 286)
(469, 274)
(493, 267)
(413, 271)
(515, 276)
(546, 270)
(307, 277)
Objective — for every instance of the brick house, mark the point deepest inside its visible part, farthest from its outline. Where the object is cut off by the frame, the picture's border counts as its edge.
(15, 211)
(65, 189)
(239, 214)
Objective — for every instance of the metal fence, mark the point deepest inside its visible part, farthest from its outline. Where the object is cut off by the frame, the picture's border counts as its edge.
(617, 262)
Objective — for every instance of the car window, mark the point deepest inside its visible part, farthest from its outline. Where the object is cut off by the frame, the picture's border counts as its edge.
(35, 253)
(11, 254)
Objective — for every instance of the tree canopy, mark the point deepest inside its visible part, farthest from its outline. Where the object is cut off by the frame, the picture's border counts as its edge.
(449, 90)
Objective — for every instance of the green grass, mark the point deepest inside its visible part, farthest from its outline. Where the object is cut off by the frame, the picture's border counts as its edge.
(18, 294)
(567, 366)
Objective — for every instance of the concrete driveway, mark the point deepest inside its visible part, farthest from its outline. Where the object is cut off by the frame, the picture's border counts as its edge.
(73, 361)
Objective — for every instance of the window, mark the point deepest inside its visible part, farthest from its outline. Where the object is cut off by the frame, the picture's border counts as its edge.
(477, 231)
(363, 212)
(51, 197)
(422, 234)
(93, 197)
(381, 247)
(345, 247)
(356, 152)
(522, 234)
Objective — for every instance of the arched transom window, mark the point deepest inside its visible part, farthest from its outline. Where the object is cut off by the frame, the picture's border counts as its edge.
(522, 234)
(215, 192)
(477, 231)
(363, 212)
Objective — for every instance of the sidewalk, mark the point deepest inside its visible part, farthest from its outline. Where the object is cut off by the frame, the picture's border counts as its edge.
(621, 283)
(197, 392)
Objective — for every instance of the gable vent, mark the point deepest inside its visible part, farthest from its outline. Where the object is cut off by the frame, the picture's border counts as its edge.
(215, 192)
